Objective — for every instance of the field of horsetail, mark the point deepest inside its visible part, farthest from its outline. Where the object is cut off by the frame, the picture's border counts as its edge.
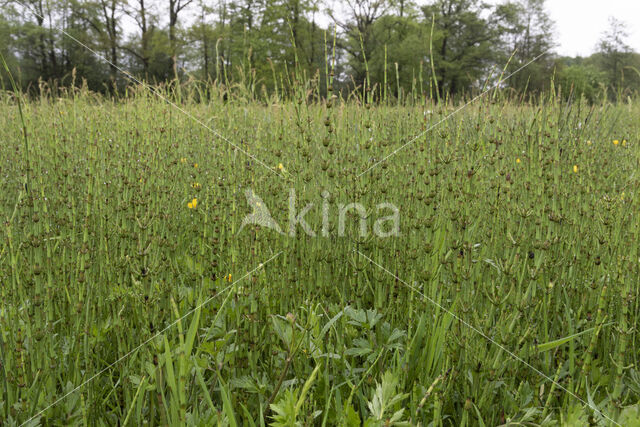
(170, 261)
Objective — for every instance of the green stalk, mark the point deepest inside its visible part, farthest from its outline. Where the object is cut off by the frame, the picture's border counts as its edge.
(600, 318)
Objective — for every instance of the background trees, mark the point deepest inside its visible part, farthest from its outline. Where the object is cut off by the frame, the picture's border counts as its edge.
(447, 47)
(528, 34)
(463, 43)
(616, 60)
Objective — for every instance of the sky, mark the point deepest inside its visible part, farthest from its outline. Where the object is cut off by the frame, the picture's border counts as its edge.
(580, 23)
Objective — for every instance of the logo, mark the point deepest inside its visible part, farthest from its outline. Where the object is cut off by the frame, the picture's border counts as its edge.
(384, 226)
(260, 215)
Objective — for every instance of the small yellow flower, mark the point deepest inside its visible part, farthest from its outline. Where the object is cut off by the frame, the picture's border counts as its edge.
(616, 142)
(228, 278)
(518, 160)
(183, 160)
(622, 196)
(575, 168)
(196, 185)
(193, 204)
(280, 166)
(624, 142)
(588, 142)
(195, 165)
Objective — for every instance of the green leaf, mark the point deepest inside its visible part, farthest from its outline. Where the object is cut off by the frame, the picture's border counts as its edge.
(283, 330)
(226, 402)
(168, 362)
(556, 343)
(205, 390)
(247, 416)
(306, 387)
(329, 324)
(351, 419)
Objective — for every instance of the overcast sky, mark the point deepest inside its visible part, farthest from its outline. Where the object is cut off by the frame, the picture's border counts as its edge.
(580, 23)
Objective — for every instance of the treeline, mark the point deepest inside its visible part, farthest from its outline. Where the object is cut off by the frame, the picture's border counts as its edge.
(383, 48)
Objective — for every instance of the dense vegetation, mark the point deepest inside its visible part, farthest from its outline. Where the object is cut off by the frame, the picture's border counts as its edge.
(133, 289)
(130, 294)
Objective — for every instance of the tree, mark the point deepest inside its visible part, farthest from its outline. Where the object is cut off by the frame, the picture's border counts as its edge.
(38, 42)
(578, 78)
(149, 49)
(401, 54)
(104, 16)
(359, 41)
(175, 7)
(463, 43)
(140, 14)
(614, 53)
(527, 32)
(386, 46)
(202, 33)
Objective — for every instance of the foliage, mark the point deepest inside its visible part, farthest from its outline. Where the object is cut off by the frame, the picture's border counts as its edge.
(581, 80)
(380, 48)
(512, 285)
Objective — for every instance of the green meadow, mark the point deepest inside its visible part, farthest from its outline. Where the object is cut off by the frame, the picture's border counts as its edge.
(131, 293)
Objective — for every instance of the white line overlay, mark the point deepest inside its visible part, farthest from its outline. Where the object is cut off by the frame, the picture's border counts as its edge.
(60, 399)
(491, 340)
(457, 110)
(155, 92)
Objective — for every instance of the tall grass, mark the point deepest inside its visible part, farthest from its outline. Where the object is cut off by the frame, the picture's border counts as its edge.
(519, 219)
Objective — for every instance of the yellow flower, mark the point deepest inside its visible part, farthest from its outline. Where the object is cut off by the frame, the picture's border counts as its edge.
(616, 142)
(518, 160)
(195, 165)
(196, 185)
(588, 142)
(575, 168)
(624, 142)
(183, 160)
(193, 204)
(228, 278)
(622, 196)
(280, 166)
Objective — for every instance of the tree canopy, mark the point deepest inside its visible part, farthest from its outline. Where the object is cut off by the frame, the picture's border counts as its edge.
(447, 48)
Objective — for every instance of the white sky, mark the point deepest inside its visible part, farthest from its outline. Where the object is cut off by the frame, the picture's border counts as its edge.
(580, 23)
